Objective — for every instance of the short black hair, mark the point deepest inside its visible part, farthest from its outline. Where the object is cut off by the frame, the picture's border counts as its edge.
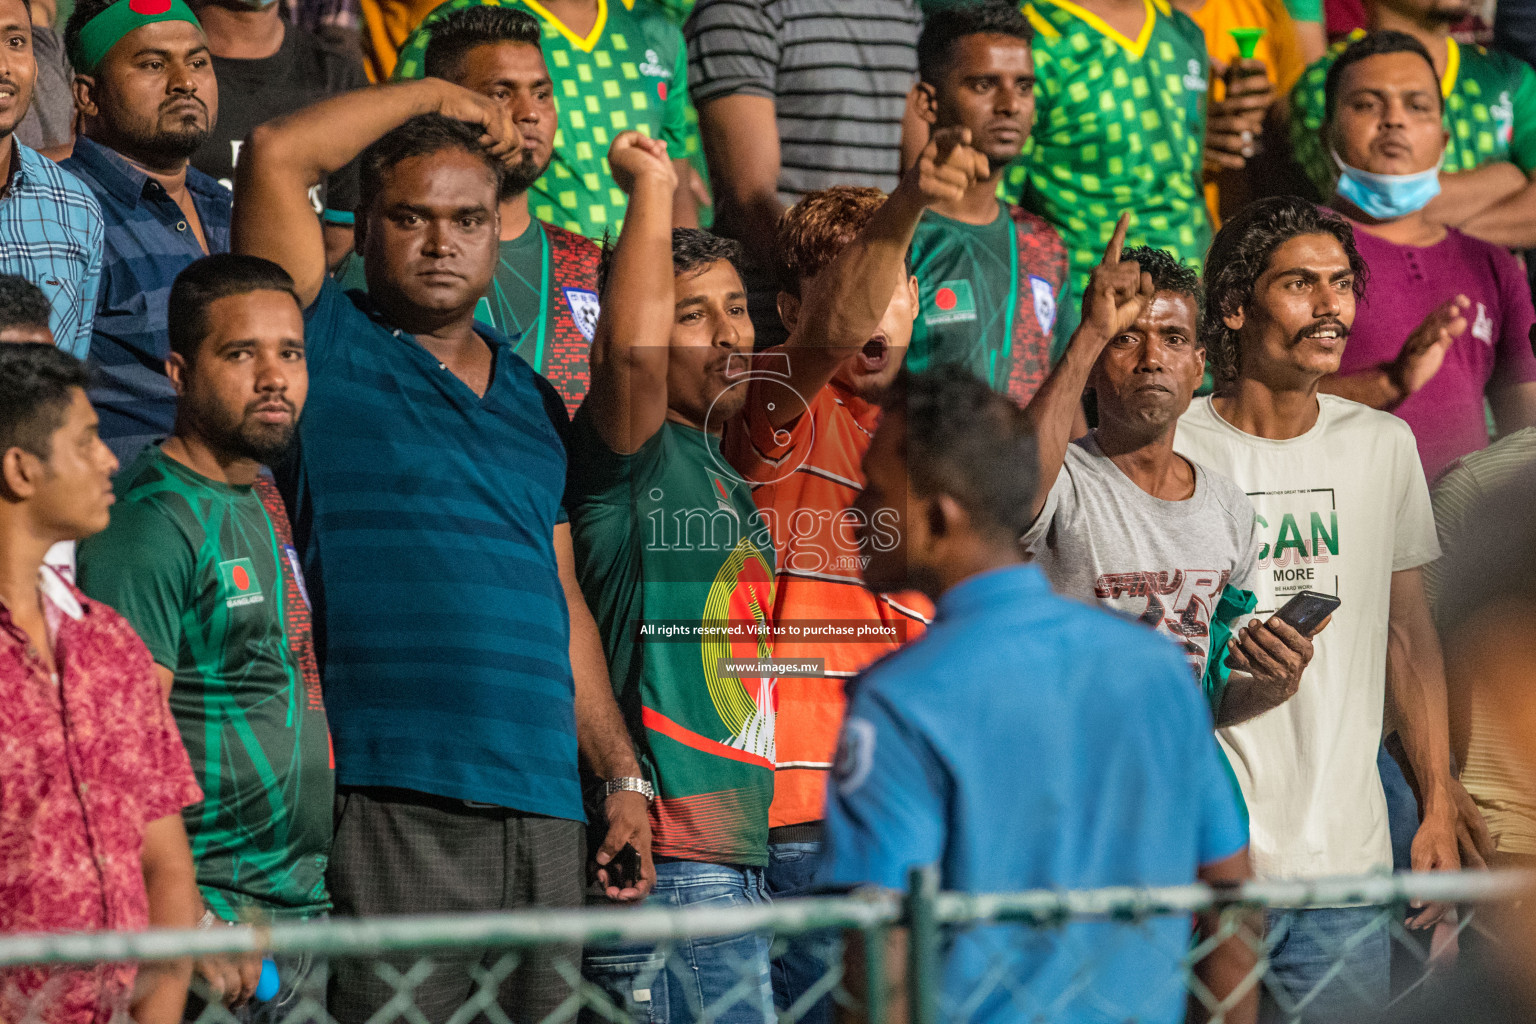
(22, 303)
(36, 385)
(458, 32)
(81, 16)
(204, 281)
(1374, 44)
(935, 47)
(1240, 253)
(1169, 275)
(692, 250)
(970, 442)
(420, 136)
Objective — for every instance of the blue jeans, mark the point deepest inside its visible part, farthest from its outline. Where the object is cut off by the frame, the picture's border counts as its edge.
(806, 958)
(1305, 945)
(723, 977)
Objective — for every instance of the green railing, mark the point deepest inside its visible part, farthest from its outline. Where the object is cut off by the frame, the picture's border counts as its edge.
(927, 918)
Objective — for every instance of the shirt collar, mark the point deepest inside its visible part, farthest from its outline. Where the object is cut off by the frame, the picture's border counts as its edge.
(975, 594)
(58, 594)
(126, 182)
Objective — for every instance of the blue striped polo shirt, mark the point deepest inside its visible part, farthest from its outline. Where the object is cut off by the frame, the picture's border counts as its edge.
(425, 516)
(148, 242)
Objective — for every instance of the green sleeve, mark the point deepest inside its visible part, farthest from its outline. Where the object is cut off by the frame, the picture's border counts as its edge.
(1305, 10)
(1522, 143)
(674, 109)
(1307, 103)
(142, 565)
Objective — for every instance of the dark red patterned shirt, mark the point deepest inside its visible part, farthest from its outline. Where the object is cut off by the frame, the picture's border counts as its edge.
(87, 759)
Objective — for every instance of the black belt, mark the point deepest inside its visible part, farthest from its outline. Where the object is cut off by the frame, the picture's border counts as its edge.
(808, 832)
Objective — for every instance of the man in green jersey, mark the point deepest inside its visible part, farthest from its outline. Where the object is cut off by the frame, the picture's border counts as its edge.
(990, 275)
(1488, 177)
(616, 66)
(677, 567)
(199, 559)
(544, 294)
(1119, 125)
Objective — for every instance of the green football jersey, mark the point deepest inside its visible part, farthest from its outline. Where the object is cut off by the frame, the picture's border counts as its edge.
(669, 541)
(1119, 125)
(199, 570)
(629, 72)
(1490, 112)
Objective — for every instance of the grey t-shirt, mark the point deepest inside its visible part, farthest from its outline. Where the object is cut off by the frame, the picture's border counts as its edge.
(1100, 537)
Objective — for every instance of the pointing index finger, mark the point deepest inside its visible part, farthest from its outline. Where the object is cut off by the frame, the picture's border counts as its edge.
(1117, 241)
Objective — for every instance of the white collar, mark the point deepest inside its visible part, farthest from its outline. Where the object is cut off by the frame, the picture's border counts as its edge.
(53, 587)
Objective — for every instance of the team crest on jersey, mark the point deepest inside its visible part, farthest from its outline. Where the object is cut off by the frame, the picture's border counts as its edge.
(584, 310)
(1045, 303)
(238, 583)
(1194, 79)
(954, 302)
(855, 755)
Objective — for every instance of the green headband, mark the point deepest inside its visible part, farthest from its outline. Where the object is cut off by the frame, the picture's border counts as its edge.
(105, 30)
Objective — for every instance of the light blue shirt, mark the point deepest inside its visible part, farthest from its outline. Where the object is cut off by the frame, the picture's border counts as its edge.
(1027, 741)
(51, 234)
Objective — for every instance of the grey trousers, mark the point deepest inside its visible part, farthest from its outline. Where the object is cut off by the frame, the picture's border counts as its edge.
(403, 852)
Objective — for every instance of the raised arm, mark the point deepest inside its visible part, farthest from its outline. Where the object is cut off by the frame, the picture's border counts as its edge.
(1385, 386)
(628, 398)
(740, 134)
(283, 159)
(1117, 293)
(842, 307)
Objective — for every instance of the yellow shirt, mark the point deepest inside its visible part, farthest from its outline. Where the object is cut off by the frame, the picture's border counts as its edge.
(386, 24)
(1278, 49)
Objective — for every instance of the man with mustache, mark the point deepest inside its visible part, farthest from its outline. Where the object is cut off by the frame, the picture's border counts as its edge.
(1343, 508)
(667, 537)
(147, 97)
(544, 294)
(199, 559)
(1446, 320)
(427, 481)
(1123, 520)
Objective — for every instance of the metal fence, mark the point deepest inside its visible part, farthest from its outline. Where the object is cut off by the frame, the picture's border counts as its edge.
(1124, 955)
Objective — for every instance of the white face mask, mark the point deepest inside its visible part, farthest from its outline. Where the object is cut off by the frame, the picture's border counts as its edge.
(1387, 196)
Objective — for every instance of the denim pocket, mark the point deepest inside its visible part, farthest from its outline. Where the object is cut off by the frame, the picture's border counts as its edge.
(636, 984)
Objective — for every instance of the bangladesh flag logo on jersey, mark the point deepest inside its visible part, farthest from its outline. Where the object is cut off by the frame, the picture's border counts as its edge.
(238, 583)
(953, 302)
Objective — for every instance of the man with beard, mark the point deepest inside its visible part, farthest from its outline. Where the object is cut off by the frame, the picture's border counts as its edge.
(50, 227)
(199, 559)
(462, 668)
(667, 538)
(1123, 520)
(544, 294)
(1490, 111)
(1343, 508)
(147, 97)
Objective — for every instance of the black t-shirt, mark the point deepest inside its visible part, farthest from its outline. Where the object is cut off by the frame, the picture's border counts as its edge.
(302, 71)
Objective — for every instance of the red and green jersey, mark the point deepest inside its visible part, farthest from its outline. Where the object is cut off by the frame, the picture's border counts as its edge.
(677, 567)
(207, 575)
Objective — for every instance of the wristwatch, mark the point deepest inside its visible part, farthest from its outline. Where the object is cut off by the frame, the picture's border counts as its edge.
(629, 785)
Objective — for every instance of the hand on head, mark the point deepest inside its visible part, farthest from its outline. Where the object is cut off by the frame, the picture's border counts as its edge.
(501, 137)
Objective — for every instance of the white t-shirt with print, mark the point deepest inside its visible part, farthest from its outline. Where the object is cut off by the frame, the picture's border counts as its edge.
(1340, 509)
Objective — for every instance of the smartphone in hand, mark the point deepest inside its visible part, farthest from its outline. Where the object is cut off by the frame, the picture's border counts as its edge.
(1307, 610)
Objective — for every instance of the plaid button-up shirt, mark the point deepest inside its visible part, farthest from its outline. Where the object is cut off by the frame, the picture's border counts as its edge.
(148, 242)
(51, 234)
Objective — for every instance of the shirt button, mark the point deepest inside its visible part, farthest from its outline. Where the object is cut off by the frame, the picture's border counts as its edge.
(181, 225)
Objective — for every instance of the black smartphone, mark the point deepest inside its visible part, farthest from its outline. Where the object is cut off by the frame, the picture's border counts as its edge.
(624, 869)
(1307, 610)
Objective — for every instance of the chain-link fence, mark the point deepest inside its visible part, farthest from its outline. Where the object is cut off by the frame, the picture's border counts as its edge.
(1324, 950)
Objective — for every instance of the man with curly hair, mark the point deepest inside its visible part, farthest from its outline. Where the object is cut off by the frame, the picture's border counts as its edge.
(1122, 519)
(1343, 509)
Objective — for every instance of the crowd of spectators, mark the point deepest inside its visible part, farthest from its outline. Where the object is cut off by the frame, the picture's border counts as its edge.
(476, 455)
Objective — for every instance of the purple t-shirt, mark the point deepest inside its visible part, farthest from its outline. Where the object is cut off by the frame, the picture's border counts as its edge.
(1406, 284)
